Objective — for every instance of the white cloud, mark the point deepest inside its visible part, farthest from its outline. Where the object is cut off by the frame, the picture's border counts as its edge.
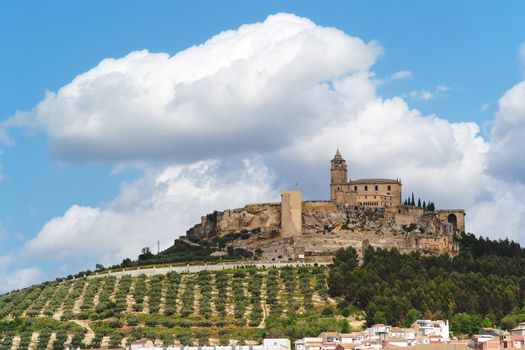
(507, 139)
(161, 205)
(426, 95)
(485, 106)
(227, 95)
(13, 277)
(404, 74)
(400, 75)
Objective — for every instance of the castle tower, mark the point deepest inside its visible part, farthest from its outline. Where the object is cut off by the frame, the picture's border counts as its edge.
(291, 213)
(338, 175)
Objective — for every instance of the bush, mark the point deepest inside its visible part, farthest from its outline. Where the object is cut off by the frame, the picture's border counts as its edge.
(327, 311)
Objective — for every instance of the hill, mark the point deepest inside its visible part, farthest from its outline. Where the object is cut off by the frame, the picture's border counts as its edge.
(190, 308)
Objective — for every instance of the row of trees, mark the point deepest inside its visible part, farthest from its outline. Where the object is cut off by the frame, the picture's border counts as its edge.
(430, 206)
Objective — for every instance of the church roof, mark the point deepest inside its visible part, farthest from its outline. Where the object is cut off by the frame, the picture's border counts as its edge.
(338, 154)
(374, 181)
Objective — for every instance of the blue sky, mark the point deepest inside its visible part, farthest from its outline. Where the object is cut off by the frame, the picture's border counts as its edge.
(462, 58)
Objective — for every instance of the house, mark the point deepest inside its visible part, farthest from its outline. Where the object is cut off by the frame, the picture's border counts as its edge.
(309, 343)
(277, 344)
(330, 337)
(485, 342)
(429, 327)
(141, 344)
(491, 331)
(405, 333)
(353, 338)
(379, 330)
(519, 330)
(512, 342)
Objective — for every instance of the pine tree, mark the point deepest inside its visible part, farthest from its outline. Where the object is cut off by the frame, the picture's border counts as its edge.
(424, 205)
(419, 202)
(413, 201)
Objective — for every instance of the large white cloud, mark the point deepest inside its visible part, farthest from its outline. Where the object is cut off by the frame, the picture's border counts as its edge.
(285, 91)
(230, 94)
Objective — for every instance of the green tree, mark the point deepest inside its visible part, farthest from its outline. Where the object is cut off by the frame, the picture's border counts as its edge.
(412, 316)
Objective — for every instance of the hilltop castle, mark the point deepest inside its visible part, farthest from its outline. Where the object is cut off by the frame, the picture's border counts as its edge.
(360, 213)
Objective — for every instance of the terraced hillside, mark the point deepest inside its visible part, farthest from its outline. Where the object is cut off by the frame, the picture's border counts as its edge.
(199, 308)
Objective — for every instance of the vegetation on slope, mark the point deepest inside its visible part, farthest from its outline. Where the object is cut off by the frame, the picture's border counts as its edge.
(483, 286)
(241, 304)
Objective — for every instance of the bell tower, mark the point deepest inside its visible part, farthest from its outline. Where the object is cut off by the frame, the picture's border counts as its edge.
(338, 176)
(338, 169)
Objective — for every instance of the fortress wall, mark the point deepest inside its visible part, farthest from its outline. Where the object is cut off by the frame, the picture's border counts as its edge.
(440, 244)
(326, 206)
(408, 215)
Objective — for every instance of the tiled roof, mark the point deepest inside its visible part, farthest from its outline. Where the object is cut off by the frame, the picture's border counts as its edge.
(373, 181)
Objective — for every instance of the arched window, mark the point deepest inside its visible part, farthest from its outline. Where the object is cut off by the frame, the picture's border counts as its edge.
(452, 219)
(366, 188)
(377, 187)
(389, 187)
(355, 188)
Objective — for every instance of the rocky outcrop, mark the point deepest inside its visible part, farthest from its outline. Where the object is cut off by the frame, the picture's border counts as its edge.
(327, 227)
(265, 217)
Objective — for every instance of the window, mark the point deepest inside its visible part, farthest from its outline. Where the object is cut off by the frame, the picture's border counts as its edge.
(389, 187)
(355, 188)
(366, 188)
(377, 187)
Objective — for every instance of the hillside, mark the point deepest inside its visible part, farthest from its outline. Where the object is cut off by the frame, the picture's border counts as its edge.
(189, 308)
(483, 286)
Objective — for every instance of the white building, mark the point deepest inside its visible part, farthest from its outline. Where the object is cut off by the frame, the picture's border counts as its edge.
(428, 328)
(309, 343)
(519, 330)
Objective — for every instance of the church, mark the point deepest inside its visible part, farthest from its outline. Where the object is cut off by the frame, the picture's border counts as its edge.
(377, 193)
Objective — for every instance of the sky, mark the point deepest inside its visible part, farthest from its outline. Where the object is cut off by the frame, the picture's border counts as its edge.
(122, 122)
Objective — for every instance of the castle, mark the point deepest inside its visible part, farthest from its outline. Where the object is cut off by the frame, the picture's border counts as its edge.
(360, 213)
